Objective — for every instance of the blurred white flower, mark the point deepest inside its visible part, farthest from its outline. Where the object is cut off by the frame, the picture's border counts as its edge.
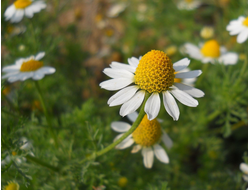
(146, 137)
(211, 52)
(25, 68)
(116, 9)
(19, 8)
(244, 169)
(188, 4)
(240, 27)
(207, 32)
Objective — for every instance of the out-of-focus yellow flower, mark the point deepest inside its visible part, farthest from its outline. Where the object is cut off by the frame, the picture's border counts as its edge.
(78, 13)
(171, 50)
(6, 90)
(36, 105)
(12, 185)
(109, 32)
(14, 153)
(207, 32)
(242, 56)
(123, 181)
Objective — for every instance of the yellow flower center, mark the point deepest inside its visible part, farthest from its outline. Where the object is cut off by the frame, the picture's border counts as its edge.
(21, 4)
(188, 1)
(211, 49)
(31, 65)
(154, 72)
(148, 132)
(245, 22)
(11, 186)
(14, 153)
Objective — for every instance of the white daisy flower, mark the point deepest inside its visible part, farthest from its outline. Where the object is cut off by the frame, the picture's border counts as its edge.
(188, 4)
(19, 8)
(211, 52)
(240, 27)
(146, 137)
(153, 73)
(26, 68)
(116, 9)
(244, 169)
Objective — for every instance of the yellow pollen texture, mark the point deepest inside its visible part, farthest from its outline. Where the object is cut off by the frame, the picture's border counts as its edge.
(148, 132)
(154, 72)
(11, 186)
(21, 4)
(31, 65)
(211, 49)
(245, 22)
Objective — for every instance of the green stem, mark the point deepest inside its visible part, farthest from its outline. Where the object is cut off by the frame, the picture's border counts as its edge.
(46, 113)
(125, 135)
(42, 163)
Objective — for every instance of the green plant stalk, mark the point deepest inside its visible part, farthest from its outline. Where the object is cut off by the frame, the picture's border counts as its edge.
(46, 113)
(125, 135)
(42, 163)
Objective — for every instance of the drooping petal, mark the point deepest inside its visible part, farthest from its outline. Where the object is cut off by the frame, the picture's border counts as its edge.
(190, 90)
(242, 37)
(122, 96)
(133, 104)
(148, 157)
(9, 12)
(152, 106)
(120, 126)
(171, 105)
(116, 84)
(166, 139)
(184, 98)
(161, 154)
(132, 116)
(136, 148)
(38, 75)
(190, 74)
(127, 142)
(180, 65)
(10, 74)
(18, 15)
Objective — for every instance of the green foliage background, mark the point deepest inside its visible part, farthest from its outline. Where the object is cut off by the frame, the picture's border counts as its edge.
(210, 141)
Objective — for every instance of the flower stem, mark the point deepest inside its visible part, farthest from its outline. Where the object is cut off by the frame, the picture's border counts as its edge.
(125, 135)
(42, 163)
(46, 113)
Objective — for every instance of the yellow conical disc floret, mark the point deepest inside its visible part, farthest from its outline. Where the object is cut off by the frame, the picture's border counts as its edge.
(245, 22)
(211, 49)
(188, 1)
(31, 65)
(21, 4)
(154, 72)
(11, 186)
(148, 132)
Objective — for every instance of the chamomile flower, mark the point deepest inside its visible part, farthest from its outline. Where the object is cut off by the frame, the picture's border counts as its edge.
(211, 52)
(154, 73)
(244, 169)
(19, 8)
(146, 137)
(26, 68)
(12, 185)
(188, 4)
(240, 27)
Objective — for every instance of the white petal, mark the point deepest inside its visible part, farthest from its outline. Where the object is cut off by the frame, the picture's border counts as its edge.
(25, 75)
(193, 51)
(184, 98)
(132, 116)
(117, 65)
(190, 90)
(133, 61)
(40, 55)
(133, 104)
(161, 154)
(152, 106)
(9, 12)
(242, 37)
(47, 70)
(11, 68)
(166, 140)
(18, 16)
(118, 73)
(190, 74)
(38, 75)
(120, 126)
(148, 157)
(180, 65)
(228, 58)
(171, 105)
(29, 12)
(10, 74)
(116, 84)
(122, 96)
(127, 142)
(136, 148)
(244, 168)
